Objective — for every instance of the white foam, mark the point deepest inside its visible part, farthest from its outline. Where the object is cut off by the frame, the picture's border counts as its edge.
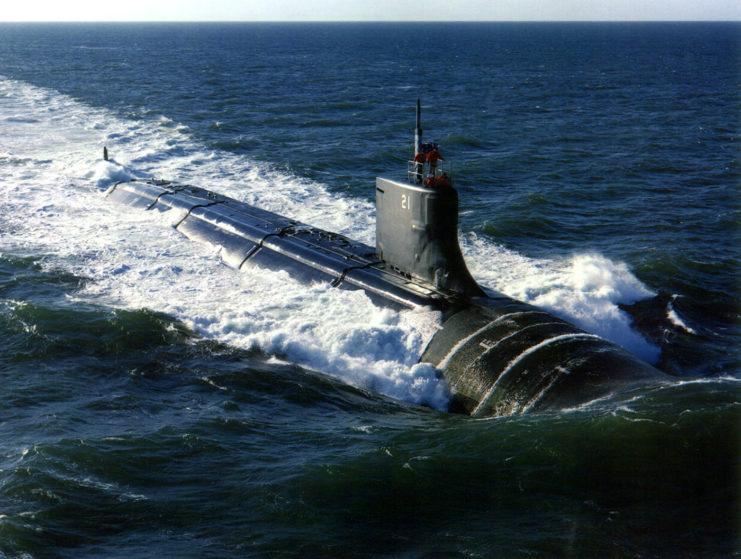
(585, 289)
(673, 317)
(51, 178)
(110, 172)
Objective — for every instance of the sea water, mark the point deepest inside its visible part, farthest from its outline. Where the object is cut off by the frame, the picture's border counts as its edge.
(157, 402)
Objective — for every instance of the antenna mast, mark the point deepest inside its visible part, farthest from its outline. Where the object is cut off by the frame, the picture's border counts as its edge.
(418, 130)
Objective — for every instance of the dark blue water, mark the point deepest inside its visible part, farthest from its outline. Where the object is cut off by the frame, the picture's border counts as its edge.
(149, 406)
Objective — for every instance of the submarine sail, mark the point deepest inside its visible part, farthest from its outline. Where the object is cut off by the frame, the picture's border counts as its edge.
(498, 355)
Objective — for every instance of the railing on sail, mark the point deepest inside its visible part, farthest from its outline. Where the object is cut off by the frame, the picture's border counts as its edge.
(421, 175)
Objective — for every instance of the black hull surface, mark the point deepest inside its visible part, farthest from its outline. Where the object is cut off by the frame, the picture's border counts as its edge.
(498, 355)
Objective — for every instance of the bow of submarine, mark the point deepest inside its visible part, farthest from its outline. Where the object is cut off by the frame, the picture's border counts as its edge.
(498, 355)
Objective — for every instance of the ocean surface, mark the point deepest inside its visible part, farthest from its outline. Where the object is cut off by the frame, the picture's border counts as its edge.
(156, 403)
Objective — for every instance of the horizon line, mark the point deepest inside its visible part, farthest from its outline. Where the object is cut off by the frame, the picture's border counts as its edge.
(380, 21)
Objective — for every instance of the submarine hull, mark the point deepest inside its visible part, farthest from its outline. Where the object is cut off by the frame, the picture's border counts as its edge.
(502, 357)
(498, 356)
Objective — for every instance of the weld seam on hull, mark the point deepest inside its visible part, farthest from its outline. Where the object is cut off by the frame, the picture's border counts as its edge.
(160, 195)
(336, 282)
(112, 189)
(493, 347)
(512, 364)
(296, 256)
(257, 247)
(527, 407)
(187, 215)
(391, 296)
(446, 360)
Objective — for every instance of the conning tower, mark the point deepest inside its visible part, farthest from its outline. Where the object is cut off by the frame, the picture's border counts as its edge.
(417, 226)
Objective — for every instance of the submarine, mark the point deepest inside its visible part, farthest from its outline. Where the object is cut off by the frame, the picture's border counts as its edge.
(498, 356)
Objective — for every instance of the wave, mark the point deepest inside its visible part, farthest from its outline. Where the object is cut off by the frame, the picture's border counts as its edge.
(53, 203)
(585, 289)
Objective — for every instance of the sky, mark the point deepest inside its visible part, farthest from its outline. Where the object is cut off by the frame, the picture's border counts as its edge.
(370, 10)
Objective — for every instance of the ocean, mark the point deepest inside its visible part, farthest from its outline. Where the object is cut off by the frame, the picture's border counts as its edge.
(157, 403)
